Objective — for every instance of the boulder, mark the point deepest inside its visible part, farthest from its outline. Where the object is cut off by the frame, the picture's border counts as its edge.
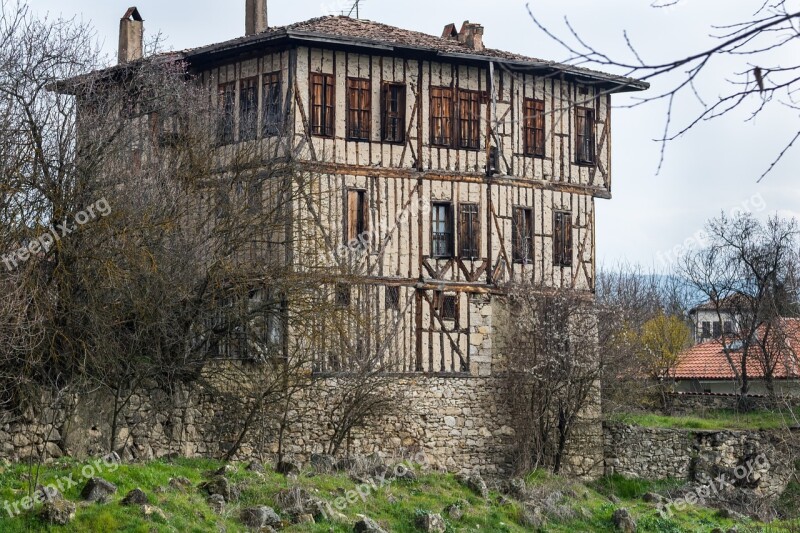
(288, 468)
(454, 512)
(652, 497)
(222, 486)
(58, 512)
(365, 524)
(135, 497)
(323, 463)
(623, 521)
(255, 466)
(431, 523)
(476, 484)
(152, 510)
(259, 517)
(217, 503)
(48, 493)
(98, 489)
(180, 483)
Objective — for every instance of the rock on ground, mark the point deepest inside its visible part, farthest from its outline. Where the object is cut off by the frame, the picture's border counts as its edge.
(623, 521)
(97, 489)
(431, 523)
(367, 525)
(59, 512)
(258, 517)
(135, 497)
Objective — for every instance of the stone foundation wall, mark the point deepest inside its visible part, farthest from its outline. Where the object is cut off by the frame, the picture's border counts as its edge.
(694, 403)
(696, 456)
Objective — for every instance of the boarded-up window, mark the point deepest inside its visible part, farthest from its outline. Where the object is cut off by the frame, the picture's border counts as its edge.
(441, 116)
(248, 109)
(359, 105)
(469, 119)
(446, 305)
(469, 227)
(393, 298)
(562, 238)
(393, 116)
(322, 104)
(273, 103)
(534, 127)
(522, 235)
(342, 295)
(706, 330)
(442, 230)
(227, 103)
(585, 134)
(717, 329)
(357, 215)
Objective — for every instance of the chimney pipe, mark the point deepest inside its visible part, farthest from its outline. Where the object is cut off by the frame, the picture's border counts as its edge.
(131, 35)
(471, 34)
(255, 20)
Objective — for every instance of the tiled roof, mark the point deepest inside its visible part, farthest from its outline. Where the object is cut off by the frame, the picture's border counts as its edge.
(708, 361)
(360, 32)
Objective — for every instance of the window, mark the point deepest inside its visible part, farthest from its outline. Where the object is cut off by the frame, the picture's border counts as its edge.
(322, 104)
(585, 135)
(248, 109)
(728, 327)
(441, 116)
(273, 114)
(562, 238)
(469, 119)
(227, 103)
(706, 330)
(469, 225)
(534, 127)
(357, 215)
(717, 329)
(393, 117)
(442, 230)
(522, 233)
(446, 305)
(342, 295)
(359, 104)
(393, 298)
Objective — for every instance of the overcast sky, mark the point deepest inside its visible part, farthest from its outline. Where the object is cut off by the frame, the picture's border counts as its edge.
(712, 168)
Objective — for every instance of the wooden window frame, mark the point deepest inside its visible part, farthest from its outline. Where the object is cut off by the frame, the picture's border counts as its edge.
(226, 133)
(717, 326)
(469, 120)
(522, 235)
(323, 104)
(359, 109)
(562, 238)
(393, 122)
(705, 329)
(446, 305)
(248, 108)
(442, 103)
(469, 231)
(273, 121)
(357, 215)
(727, 327)
(534, 131)
(445, 236)
(585, 137)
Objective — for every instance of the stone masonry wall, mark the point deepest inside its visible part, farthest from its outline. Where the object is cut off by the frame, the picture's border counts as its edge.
(695, 456)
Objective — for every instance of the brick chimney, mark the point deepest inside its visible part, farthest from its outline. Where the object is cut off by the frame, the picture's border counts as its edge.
(471, 34)
(131, 35)
(255, 20)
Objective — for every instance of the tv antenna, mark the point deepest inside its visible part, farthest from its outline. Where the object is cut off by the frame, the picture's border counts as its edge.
(354, 8)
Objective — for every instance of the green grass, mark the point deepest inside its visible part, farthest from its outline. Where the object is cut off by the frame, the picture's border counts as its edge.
(713, 420)
(569, 506)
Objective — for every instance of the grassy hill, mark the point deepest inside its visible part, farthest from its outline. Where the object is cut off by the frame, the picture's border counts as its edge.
(178, 502)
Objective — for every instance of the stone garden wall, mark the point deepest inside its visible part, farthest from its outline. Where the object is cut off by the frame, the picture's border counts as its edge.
(761, 461)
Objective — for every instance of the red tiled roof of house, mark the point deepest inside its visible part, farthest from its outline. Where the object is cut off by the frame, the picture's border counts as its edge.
(708, 361)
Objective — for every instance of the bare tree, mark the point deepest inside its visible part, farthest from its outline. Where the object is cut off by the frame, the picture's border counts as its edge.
(760, 79)
(553, 369)
(748, 272)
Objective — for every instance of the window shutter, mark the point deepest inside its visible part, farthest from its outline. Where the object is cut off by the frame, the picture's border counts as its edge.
(463, 233)
(385, 94)
(476, 232)
(352, 215)
(558, 239)
(567, 239)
